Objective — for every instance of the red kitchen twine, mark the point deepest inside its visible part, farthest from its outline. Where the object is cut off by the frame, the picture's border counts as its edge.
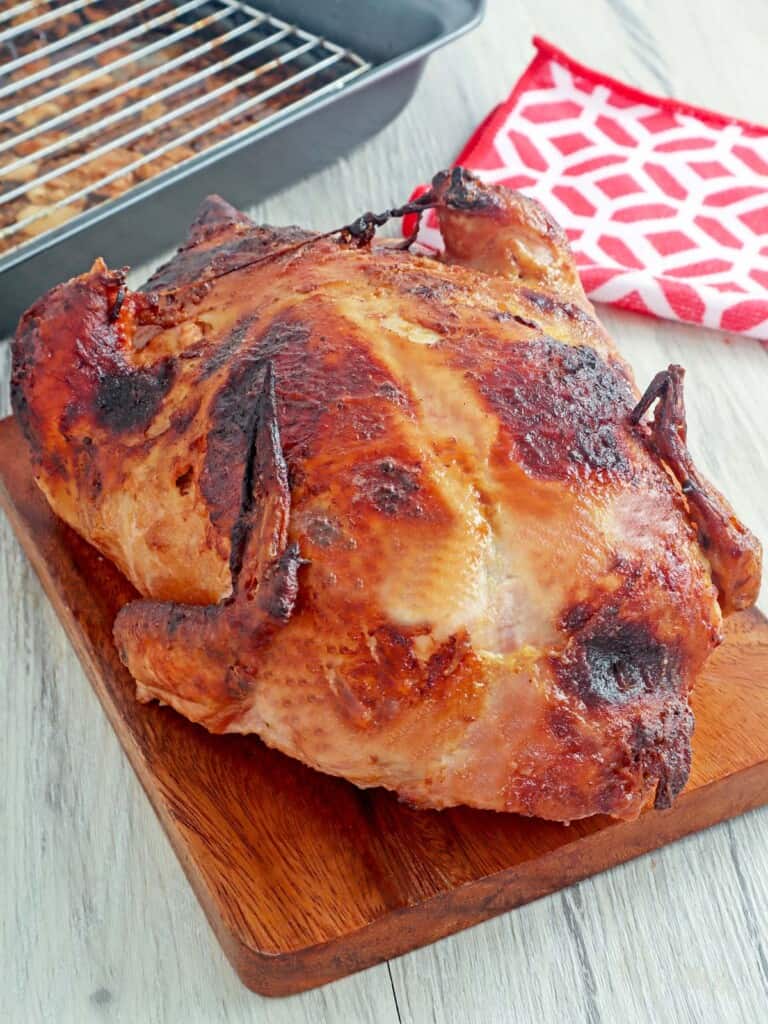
(665, 203)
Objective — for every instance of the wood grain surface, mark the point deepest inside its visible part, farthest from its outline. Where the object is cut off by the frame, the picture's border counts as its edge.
(305, 878)
(97, 921)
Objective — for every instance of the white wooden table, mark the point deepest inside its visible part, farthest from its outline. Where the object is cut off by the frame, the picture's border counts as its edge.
(96, 918)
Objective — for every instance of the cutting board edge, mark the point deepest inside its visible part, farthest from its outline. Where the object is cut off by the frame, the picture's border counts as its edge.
(479, 900)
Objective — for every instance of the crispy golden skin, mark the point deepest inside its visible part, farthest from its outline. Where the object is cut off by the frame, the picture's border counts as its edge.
(400, 517)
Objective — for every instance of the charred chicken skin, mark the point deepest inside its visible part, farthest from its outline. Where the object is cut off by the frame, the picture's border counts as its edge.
(405, 518)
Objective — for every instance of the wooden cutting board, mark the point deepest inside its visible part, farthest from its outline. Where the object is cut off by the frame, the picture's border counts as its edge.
(305, 878)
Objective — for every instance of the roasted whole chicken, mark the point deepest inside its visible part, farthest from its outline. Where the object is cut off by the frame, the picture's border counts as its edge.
(405, 518)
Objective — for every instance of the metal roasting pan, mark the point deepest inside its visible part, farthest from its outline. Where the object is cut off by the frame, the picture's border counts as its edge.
(381, 47)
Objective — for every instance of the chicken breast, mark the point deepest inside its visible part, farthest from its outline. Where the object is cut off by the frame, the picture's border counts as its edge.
(401, 517)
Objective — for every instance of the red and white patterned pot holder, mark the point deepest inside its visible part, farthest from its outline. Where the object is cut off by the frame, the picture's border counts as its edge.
(666, 205)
